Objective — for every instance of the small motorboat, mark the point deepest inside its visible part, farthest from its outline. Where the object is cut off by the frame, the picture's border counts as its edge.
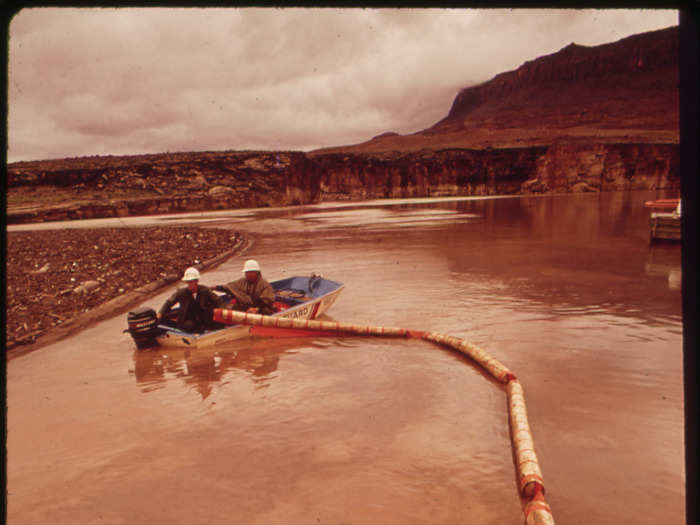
(295, 297)
(663, 204)
(665, 220)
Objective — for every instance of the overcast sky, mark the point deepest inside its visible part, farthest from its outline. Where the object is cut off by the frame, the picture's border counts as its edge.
(130, 81)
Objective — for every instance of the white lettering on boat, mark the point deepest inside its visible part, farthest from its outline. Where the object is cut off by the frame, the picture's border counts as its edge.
(303, 312)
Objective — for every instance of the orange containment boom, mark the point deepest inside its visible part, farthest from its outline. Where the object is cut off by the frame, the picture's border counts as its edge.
(530, 482)
(222, 315)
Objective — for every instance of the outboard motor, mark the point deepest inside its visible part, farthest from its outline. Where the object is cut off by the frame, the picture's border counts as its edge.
(143, 326)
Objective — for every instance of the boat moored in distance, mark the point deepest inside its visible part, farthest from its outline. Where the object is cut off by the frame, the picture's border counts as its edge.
(295, 297)
(665, 220)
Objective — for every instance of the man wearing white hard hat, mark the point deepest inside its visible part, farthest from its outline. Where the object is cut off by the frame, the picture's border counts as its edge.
(253, 293)
(197, 303)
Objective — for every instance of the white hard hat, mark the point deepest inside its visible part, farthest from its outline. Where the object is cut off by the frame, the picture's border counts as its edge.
(191, 274)
(251, 265)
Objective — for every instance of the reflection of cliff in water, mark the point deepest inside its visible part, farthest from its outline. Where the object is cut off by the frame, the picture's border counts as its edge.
(573, 254)
(205, 367)
(572, 218)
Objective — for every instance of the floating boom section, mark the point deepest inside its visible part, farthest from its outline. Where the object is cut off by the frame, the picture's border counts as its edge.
(529, 474)
(222, 315)
(488, 363)
(530, 481)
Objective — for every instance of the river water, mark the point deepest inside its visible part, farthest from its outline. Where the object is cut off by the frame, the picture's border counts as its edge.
(564, 290)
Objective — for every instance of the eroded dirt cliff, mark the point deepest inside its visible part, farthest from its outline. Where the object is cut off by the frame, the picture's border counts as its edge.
(89, 188)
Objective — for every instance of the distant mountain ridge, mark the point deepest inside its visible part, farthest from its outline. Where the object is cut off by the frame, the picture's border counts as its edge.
(624, 91)
(631, 58)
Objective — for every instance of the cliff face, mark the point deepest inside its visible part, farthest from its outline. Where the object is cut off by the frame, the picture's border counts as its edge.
(641, 65)
(88, 188)
(608, 167)
(582, 119)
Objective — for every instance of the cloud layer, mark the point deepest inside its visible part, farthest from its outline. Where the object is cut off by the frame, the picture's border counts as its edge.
(129, 81)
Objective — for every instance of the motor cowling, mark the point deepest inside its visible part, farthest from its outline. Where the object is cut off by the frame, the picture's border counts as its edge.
(143, 326)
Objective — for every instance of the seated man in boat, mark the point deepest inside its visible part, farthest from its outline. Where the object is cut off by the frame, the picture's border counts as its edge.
(253, 293)
(197, 303)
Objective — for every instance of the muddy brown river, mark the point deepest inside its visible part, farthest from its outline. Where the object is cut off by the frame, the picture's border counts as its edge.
(563, 290)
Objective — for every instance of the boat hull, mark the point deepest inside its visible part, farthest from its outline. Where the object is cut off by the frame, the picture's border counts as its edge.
(665, 220)
(320, 294)
(664, 227)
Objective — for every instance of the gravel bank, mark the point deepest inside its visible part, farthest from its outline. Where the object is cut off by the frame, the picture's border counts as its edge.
(55, 276)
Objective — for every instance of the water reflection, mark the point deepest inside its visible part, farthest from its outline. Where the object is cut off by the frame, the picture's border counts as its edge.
(574, 256)
(203, 368)
(247, 215)
(578, 217)
(381, 219)
(663, 261)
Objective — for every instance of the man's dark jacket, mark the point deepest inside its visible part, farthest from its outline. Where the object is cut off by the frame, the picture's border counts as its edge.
(197, 310)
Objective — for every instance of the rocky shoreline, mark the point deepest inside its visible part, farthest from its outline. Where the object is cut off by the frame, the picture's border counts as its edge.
(60, 281)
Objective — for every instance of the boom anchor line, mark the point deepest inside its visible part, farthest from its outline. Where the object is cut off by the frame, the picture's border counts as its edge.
(530, 482)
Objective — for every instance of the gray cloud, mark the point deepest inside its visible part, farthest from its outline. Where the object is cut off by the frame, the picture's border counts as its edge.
(129, 81)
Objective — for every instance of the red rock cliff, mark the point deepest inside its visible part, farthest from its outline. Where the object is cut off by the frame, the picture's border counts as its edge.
(87, 188)
(612, 81)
